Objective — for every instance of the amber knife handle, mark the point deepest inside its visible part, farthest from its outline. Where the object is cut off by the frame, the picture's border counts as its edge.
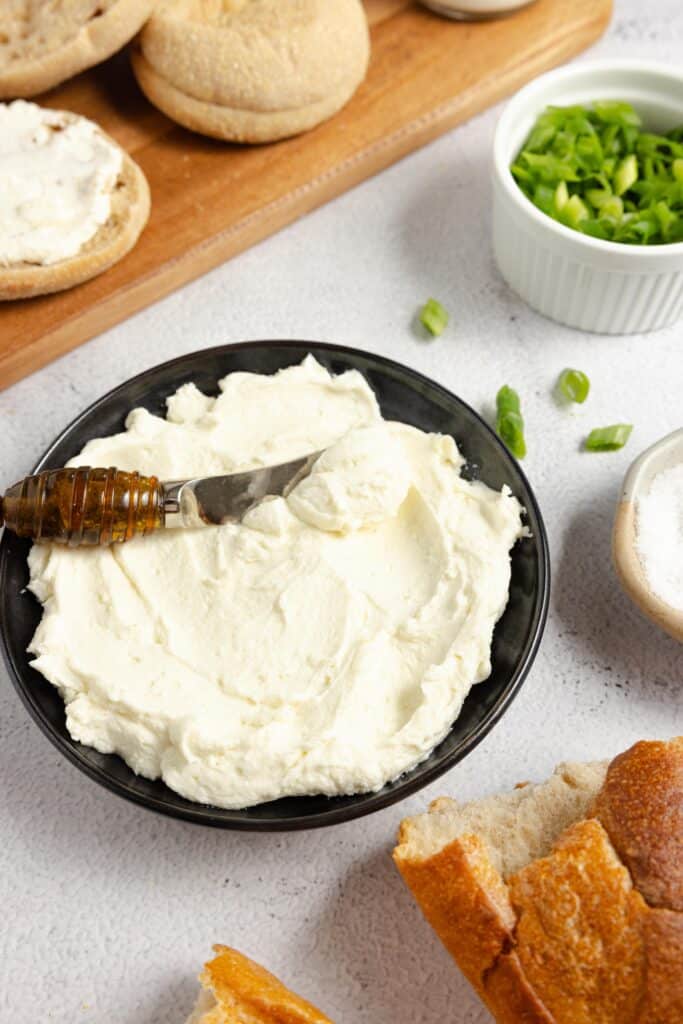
(83, 506)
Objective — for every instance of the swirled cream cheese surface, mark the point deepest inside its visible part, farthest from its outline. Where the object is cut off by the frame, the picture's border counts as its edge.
(323, 645)
(56, 180)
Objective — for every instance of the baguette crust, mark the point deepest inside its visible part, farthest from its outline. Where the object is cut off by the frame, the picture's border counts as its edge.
(584, 944)
(65, 40)
(663, 943)
(130, 207)
(510, 996)
(462, 894)
(246, 993)
(578, 933)
(641, 806)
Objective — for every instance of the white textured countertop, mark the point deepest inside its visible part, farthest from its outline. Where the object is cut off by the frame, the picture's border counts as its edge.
(108, 911)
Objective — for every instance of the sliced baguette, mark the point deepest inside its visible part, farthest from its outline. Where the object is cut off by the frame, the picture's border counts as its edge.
(531, 897)
(130, 206)
(238, 991)
(515, 827)
(455, 859)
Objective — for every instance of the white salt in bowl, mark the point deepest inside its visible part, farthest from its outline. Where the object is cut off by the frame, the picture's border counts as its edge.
(663, 455)
(585, 282)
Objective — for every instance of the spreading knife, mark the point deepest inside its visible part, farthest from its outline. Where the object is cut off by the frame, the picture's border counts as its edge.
(81, 506)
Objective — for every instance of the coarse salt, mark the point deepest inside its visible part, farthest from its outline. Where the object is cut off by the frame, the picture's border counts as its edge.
(659, 535)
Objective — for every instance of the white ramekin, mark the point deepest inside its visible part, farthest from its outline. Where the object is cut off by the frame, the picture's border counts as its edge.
(581, 281)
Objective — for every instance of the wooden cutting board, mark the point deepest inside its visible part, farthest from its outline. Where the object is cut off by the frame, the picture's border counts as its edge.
(211, 200)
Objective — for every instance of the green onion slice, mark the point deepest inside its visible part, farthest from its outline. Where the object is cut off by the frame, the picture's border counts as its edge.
(608, 439)
(509, 421)
(507, 400)
(574, 385)
(626, 174)
(595, 170)
(434, 317)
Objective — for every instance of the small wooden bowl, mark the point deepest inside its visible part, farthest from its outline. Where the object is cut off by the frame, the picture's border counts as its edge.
(663, 455)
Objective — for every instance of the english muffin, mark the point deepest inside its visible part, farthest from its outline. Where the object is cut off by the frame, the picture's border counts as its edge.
(252, 70)
(72, 202)
(42, 44)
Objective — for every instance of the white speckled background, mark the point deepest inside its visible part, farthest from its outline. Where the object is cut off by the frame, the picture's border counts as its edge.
(107, 910)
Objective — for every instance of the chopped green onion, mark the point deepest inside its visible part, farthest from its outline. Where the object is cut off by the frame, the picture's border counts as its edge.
(608, 439)
(617, 113)
(614, 207)
(434, 317)
(596, 171)
(509, 421)
(574, 385)
(507, 400)
(599, 197)
(665, 217)
(544, 198)
(510, 429)
(561, 196)
(574, 210)
(626, 174)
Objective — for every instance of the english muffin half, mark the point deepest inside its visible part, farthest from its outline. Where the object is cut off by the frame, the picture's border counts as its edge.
(42, 44)
(72, 202)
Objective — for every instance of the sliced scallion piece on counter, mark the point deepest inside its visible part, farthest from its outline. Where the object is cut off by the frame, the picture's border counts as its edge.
(574, 385)
(507, 400)
(595, 170)
(434, 317)
(509, 421)
(608, 439)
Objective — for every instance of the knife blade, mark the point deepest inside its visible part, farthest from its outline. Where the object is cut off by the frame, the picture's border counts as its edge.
(216, 500)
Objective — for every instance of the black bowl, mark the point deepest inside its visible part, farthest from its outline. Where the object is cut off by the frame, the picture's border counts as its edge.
(403, 395)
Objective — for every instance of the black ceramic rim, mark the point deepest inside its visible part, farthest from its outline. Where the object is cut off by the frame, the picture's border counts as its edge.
(355, 806)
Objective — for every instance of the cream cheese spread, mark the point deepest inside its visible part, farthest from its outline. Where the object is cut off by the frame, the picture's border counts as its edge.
(56, 180)
(323, 645)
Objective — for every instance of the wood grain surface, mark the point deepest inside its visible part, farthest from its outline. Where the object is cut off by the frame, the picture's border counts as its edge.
(211, 200)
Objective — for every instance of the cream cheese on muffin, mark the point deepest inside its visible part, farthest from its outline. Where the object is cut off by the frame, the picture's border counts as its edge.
(56, 181)
(323, 645)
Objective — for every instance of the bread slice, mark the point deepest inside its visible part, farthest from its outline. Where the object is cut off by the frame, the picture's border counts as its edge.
(455, 859)
(238, 991)
(42, 44)
(130, 206)
(516, 828)
(256, 71)
(531, 896)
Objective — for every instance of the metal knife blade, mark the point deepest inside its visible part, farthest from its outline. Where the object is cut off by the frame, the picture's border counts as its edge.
(215, 500)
